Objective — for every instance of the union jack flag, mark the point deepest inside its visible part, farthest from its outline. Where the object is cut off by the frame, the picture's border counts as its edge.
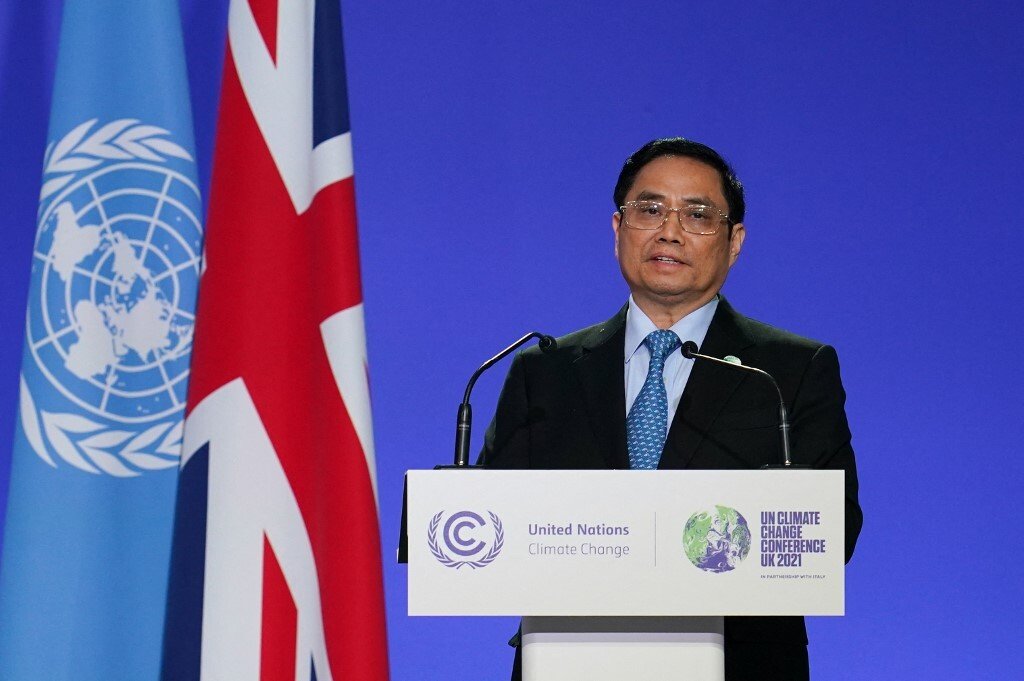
(276, 570)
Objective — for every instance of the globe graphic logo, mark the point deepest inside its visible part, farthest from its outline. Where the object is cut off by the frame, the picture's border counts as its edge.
(111, 323)
(716, 540)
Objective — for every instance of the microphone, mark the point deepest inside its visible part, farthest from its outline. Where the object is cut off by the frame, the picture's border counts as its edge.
(464, 421)
(689, 350)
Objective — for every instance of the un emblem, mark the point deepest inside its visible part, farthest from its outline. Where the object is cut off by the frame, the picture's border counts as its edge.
(112, 303)
(461, 542)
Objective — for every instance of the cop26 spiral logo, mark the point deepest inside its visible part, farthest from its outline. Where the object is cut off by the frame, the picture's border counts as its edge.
(465, 535)
(111, 308)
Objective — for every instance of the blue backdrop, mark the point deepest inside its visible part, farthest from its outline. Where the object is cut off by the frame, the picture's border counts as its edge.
(881, 146)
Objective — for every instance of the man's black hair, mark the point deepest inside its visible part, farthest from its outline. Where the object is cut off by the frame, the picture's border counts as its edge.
(732, 189)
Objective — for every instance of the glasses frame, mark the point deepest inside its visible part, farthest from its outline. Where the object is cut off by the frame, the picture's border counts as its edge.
(724, 216)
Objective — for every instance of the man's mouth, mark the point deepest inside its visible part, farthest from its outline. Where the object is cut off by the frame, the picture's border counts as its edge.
(666, 259)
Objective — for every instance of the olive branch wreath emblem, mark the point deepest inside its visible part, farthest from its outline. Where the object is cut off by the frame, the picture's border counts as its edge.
(86, 444)
(125, 139)
(486, 559)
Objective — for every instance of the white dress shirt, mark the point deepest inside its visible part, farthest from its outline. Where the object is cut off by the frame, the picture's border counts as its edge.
(693, 326)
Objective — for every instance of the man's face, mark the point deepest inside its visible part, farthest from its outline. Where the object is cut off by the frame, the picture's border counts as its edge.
(670, 271)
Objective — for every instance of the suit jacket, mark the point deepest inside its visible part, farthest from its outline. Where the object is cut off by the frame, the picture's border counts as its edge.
(566, 410)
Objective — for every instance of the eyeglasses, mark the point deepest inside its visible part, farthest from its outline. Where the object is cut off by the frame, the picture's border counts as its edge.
(695, 218)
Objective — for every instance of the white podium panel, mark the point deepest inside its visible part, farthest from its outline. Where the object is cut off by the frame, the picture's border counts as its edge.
(616, 543)
(616, 648)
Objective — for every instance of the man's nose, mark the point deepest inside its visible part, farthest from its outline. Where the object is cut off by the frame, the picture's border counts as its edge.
(672, 229)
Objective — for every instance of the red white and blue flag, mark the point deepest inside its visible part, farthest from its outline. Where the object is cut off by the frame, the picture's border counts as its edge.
(276, 569)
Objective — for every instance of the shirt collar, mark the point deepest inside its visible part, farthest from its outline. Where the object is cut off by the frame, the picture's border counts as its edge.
(693, 326)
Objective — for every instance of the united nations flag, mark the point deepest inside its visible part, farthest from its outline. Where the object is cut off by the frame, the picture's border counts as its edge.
(111, 310)
(108, 338)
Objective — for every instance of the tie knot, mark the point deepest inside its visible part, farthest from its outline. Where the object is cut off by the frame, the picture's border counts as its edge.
(661, 343)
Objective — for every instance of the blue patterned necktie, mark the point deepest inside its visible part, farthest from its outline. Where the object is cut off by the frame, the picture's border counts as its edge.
(647, 423)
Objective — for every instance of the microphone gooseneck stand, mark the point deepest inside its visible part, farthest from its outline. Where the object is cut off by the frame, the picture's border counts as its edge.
(464, 420)
(689, 350)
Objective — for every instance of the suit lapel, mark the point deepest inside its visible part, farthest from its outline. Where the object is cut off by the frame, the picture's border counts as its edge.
(599, 367)
(707, 390)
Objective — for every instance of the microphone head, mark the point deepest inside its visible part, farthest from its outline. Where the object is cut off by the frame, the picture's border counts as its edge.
(546, 343)
(688, 348)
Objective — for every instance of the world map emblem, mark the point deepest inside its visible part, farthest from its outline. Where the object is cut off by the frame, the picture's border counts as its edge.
(716, 540)
(111, 310)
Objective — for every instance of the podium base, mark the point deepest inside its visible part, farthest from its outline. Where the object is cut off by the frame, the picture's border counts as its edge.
(616, 648)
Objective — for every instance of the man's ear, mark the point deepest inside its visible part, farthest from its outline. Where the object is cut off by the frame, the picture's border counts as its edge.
(616, 219)
(739, 233)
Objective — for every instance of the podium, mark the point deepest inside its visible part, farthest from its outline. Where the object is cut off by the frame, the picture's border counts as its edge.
(624, 574)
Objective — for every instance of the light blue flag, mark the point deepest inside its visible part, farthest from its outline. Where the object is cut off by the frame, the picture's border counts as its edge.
(108, 336)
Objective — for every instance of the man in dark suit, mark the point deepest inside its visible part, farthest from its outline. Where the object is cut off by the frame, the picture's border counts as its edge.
(620, 395)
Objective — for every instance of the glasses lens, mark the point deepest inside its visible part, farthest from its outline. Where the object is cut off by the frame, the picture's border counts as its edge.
(696, 219)
(700, 219)
(645, 214)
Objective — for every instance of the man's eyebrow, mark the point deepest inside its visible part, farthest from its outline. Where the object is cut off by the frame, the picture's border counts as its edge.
(647, 195)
